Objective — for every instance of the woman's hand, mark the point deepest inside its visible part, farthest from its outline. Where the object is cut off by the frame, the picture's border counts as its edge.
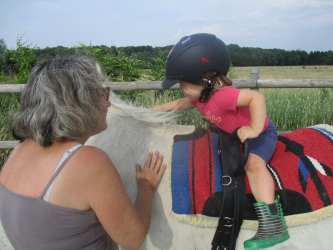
(247, 132)
(151, 174)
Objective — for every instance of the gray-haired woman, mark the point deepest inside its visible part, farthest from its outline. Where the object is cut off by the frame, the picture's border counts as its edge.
(56, 193)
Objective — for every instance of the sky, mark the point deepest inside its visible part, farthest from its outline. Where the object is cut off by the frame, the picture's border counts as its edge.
(283, 24)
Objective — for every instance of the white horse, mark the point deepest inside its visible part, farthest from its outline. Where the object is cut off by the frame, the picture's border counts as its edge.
(133, 132)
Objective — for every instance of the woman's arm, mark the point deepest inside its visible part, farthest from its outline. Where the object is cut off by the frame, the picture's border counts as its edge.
(127, 224)
(257, 105)
(181, 104)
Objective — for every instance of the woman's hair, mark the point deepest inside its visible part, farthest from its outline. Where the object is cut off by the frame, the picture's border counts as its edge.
(61, 101)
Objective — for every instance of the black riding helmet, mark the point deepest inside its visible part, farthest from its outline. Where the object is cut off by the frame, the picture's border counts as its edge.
(193, 56)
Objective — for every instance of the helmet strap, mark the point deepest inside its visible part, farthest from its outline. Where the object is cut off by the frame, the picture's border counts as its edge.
(205, 93)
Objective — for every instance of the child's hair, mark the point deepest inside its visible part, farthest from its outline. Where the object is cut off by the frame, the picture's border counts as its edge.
(219, 81)
(184, 85)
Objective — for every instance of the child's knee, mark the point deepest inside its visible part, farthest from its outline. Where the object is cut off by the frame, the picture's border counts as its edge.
(255, 163)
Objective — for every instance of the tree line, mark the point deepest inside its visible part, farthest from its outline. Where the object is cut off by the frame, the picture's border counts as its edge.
(125, 63)
(246, 56)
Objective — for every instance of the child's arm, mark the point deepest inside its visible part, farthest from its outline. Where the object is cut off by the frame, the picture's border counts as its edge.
(181, 104)
(257, 105)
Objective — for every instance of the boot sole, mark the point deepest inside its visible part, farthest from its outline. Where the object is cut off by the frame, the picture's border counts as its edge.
(259, 244)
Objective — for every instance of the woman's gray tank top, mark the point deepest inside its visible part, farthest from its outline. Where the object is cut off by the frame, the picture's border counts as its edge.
(33, 223)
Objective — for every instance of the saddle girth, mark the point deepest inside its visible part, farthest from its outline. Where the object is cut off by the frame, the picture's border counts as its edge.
(234, 193)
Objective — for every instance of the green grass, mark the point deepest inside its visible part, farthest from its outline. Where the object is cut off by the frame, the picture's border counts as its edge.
(8, 105)
(287, 72)
(291, 109)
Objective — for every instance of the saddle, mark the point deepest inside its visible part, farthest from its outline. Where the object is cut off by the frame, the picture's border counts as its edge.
(218, 177)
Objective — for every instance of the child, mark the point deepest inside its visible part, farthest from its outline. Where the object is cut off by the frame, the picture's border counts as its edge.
(200, 63)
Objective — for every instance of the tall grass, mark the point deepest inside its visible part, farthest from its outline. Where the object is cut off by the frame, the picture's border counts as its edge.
(289, 109)
(287, 72)
(8, 105)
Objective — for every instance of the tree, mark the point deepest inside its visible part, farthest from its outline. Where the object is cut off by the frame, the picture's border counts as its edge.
(329, 58)
(3, 49)
(117, 65)
(25, 57)
(3, 46)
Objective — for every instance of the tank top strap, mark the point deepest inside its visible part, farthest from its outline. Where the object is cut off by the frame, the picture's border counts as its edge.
(67, 155)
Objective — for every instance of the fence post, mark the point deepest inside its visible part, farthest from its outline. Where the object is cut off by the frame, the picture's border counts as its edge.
(255, 74)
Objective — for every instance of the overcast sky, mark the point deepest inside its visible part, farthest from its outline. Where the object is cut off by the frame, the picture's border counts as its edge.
(283, 24)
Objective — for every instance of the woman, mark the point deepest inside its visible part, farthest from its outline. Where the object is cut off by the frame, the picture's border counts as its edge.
(56, 193)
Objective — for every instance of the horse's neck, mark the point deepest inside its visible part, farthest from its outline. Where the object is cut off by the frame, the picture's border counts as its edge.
(133, 144)
(128, 140)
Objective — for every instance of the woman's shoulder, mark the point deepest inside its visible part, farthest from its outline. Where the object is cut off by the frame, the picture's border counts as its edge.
(87, 149)
(92, 159)
(89, 165)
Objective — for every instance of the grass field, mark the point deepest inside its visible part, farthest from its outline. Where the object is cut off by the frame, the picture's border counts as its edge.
(288, 72)
(289, 109)
(295, 108)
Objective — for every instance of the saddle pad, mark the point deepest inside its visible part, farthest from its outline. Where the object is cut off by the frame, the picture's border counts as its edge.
(196, 171)
(301, 168)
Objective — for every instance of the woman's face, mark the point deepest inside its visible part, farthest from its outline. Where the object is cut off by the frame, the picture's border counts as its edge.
(105, 104)
(191, 91)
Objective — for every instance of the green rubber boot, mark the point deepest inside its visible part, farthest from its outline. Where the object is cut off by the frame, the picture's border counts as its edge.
(272, 228)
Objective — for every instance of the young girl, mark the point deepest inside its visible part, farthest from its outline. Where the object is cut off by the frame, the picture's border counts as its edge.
(200, 63)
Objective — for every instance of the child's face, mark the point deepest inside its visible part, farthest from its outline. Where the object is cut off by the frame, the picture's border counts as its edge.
(191, 91)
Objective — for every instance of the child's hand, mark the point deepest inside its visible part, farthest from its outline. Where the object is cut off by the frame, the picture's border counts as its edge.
(247, 132)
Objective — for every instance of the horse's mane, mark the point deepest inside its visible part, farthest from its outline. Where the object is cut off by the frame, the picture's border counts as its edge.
(121, 108)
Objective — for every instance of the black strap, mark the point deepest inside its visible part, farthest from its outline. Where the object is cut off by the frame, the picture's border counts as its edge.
(234, 195)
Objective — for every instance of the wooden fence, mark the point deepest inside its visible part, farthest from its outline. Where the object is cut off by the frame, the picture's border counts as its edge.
(254, 83)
